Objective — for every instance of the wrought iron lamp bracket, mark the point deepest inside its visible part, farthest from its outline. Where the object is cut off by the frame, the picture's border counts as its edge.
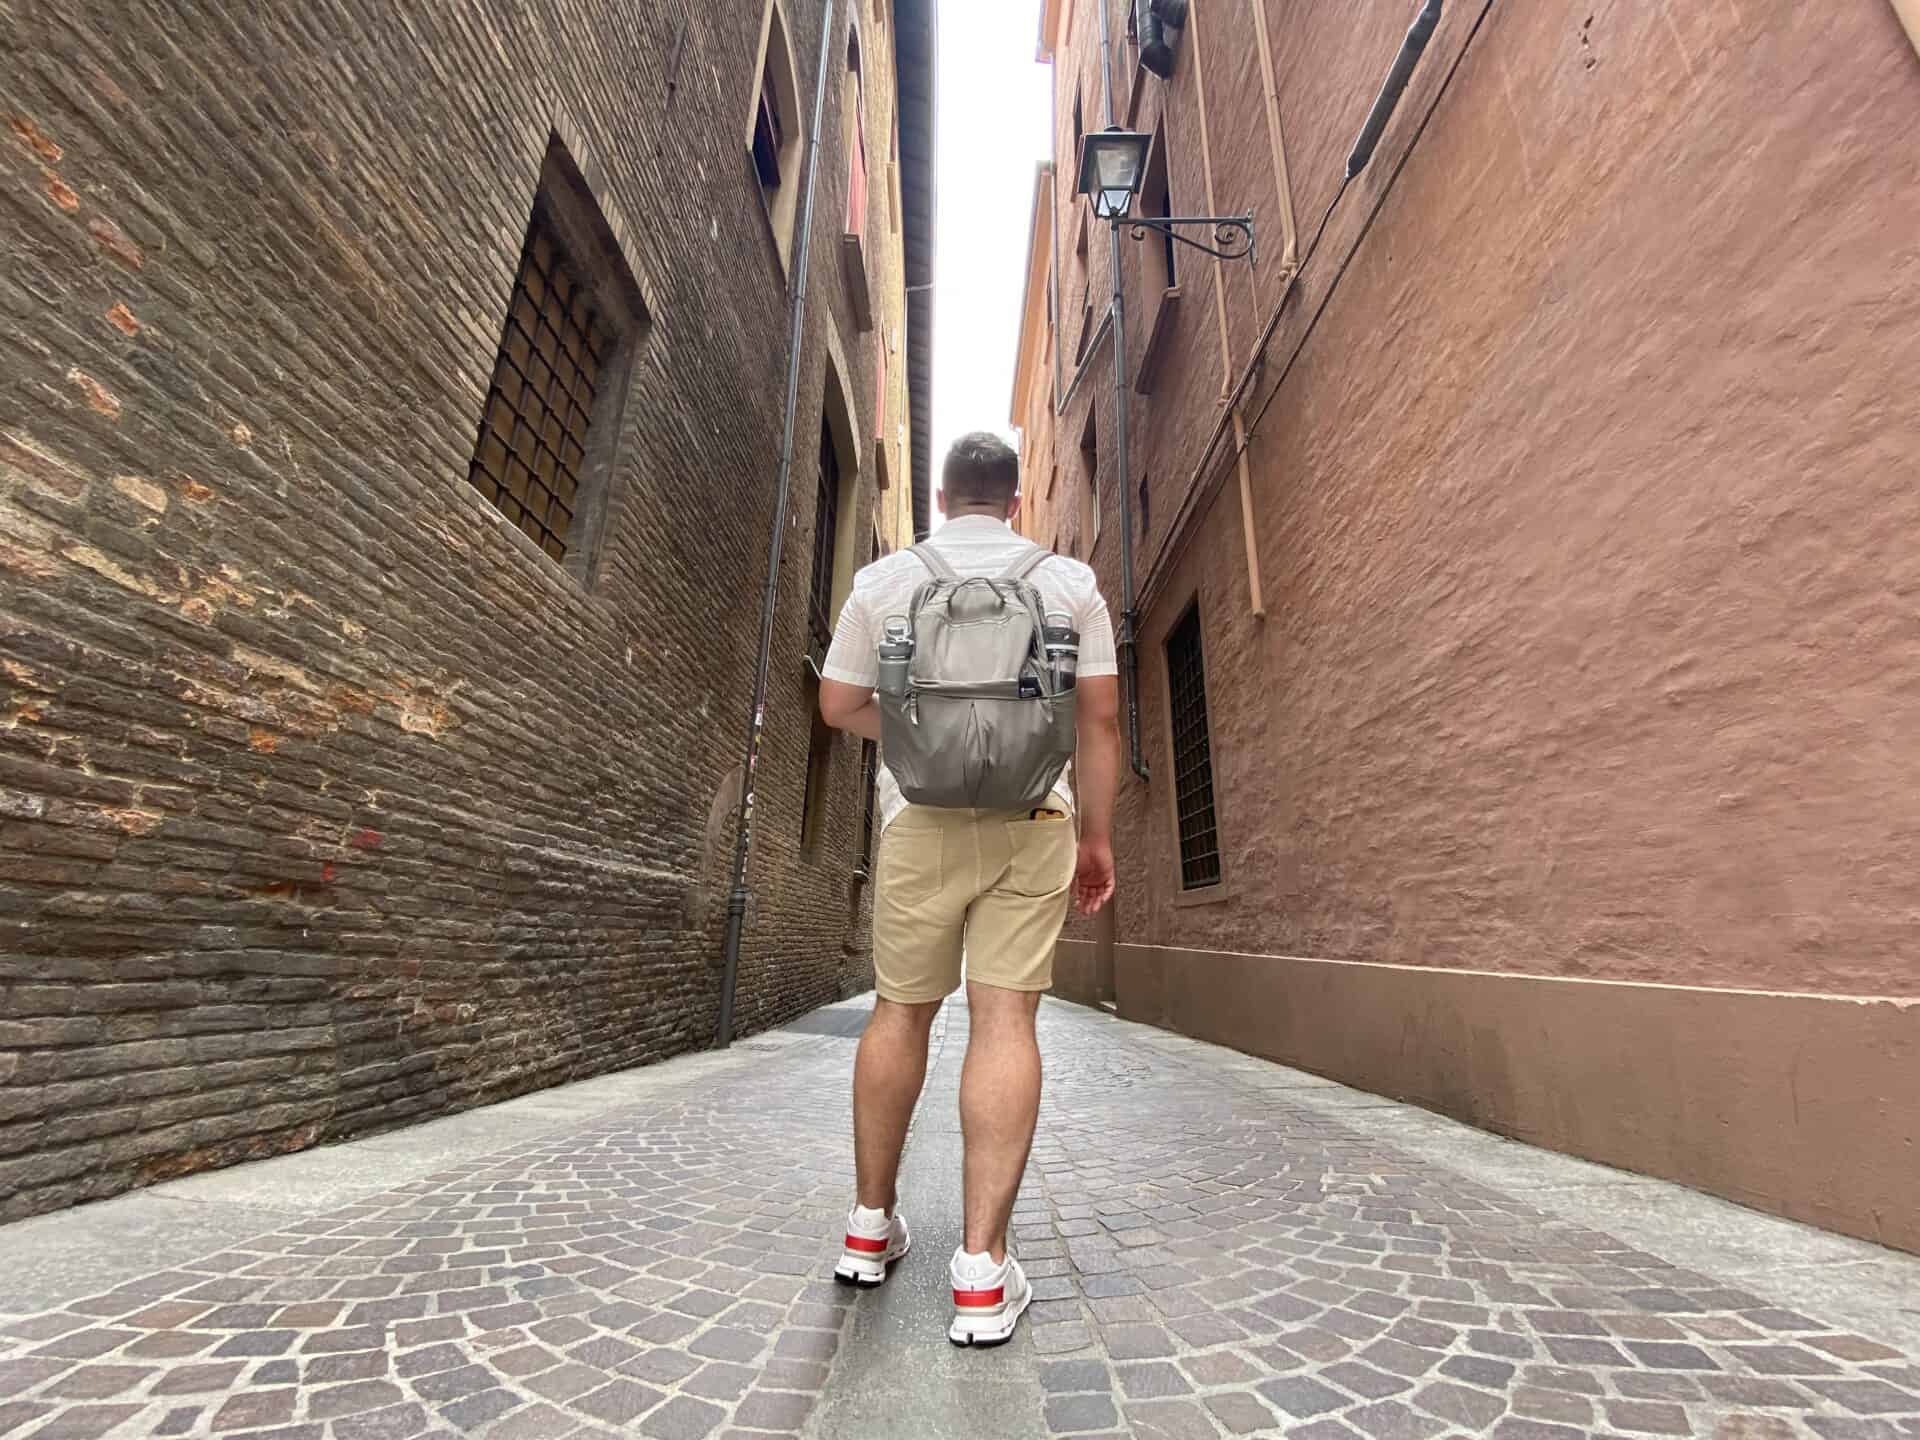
(1232, 234)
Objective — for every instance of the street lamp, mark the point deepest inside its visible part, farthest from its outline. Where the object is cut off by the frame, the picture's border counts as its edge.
(1113, 162)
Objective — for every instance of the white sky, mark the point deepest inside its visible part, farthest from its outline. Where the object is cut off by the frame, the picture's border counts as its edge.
(994, 126)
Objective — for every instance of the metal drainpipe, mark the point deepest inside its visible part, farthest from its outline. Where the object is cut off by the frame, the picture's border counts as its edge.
(756, 725)
(1129, 654)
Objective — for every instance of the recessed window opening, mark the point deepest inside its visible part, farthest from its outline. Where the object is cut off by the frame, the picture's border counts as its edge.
(550, 425)
(775, 130)
(826, 527)
(1090, 490)
(1192, 756)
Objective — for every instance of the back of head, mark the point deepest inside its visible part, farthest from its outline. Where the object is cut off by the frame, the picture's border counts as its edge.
(981, 472)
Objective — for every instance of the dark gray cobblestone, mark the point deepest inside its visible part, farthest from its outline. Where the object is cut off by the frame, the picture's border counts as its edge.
(660, 1272)
(1290, 1275)
(1212, 1256)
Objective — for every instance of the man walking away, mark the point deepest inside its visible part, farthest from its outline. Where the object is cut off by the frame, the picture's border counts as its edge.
(993, 885)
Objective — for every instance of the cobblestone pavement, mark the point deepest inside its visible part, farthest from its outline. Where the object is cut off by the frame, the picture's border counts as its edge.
(1219, 1248)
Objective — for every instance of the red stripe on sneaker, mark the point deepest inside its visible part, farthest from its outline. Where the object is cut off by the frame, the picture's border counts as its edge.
(979, 1299)
(865, 1246)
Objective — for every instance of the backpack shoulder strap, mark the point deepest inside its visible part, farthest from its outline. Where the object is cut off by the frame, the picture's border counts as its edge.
(934, 561)
(1027, 563)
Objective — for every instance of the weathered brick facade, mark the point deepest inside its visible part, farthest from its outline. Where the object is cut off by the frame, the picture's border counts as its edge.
(326, 801)
(1566, 782)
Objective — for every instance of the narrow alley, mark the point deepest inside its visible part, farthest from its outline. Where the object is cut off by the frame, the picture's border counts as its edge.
(1220, 1246)
(1366, 552)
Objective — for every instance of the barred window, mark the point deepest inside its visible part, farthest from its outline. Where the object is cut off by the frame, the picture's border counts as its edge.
(533, 442)
(1192, 756)
(552, 404)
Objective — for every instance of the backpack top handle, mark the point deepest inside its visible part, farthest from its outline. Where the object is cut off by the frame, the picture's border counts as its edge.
(944, 572)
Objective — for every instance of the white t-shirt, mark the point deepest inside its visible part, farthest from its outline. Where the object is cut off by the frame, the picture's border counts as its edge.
(972, 545)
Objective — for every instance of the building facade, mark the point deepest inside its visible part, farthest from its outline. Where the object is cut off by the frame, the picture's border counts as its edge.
(1523, 551)
(391, 408)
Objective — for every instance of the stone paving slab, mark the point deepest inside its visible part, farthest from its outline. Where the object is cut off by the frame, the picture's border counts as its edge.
(1220, 1247)
(1248, 1253)
(52, 1258)
(637, 1255)
(896, 1375)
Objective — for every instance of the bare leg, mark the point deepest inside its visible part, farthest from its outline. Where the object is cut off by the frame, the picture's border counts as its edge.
(887, 1073)
(999, 1106)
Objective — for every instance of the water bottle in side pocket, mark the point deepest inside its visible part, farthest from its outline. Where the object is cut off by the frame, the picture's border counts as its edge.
(1062, 643)
(896, 656)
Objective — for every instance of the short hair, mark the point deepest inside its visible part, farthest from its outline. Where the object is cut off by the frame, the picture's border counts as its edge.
(980, 469)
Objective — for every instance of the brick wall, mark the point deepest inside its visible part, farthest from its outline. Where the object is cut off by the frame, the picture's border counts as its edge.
(325, 803)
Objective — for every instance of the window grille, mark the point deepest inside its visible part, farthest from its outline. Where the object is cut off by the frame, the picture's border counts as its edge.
(1192, 756)
(533, 432)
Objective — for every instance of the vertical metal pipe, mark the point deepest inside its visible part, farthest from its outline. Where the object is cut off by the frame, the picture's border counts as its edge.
(1129, 656)
(1263, 43)
(769, 598)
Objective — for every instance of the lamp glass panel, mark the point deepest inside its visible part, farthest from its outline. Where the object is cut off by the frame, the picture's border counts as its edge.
(1117, 164)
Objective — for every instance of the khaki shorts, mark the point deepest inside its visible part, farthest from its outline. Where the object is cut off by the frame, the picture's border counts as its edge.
(990, 883)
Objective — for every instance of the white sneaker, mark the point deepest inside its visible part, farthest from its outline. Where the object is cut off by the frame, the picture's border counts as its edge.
(873, 1243)
(988, 1299)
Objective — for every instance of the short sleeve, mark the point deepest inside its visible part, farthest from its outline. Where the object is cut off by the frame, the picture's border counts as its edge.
(854, 656)
(1096, 637)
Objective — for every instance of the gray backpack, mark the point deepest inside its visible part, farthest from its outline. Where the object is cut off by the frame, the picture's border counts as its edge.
(980, 725)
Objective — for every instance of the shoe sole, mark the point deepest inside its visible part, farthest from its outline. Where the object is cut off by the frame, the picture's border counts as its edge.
(864, 1280)
(987, 1339)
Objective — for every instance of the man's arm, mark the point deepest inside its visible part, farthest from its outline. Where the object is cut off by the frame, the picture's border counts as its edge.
(1096, 772)
(851, 670)
(851, 708)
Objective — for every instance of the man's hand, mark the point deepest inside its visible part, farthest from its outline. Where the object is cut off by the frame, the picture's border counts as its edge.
(1096, 768)
(1093, 879)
